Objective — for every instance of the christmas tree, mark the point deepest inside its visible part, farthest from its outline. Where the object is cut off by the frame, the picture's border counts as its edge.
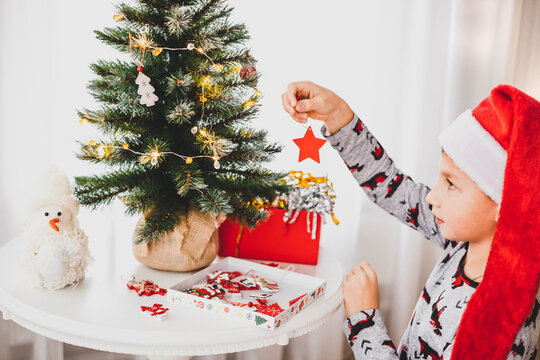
(175, 118)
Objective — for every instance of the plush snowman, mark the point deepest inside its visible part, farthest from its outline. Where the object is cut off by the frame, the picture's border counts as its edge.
(54, 248)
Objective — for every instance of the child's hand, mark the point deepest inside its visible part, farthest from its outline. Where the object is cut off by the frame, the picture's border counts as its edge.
(305, 99)
(361, 289)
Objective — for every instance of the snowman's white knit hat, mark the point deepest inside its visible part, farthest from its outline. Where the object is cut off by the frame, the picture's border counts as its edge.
(52, 188)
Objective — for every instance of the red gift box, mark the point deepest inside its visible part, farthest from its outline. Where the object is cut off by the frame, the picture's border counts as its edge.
(272, 239)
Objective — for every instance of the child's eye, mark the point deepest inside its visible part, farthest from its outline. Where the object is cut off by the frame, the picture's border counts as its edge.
(450, 185)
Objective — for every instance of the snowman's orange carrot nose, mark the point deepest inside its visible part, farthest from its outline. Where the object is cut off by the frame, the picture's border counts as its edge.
(53, 222)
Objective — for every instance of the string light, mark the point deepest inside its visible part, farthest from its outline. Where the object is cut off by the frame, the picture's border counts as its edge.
(154, 155)
(143, 42)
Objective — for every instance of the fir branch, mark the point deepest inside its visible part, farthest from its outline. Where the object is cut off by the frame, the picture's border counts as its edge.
(223, 13)
(157, 4)
(100, 190)
(117, 68)
(180, 83)
(199, 14)
(233, 116)
(142, 15)
(248, 215)
(140, 199)
(178, 21)
(214, 201)
(242, 56)
(242, 135)
(181, 113)
(188, 178)
(161, 220)
(118, 37)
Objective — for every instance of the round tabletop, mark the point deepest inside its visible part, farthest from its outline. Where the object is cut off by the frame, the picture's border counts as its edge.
(101, 313)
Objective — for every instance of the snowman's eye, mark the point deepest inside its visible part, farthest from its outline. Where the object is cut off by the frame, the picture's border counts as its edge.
(59, 213)
(46, 214)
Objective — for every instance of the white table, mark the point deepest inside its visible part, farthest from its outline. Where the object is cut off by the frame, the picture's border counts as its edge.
(101, 313)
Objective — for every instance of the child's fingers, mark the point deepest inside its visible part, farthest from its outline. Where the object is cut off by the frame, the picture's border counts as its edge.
(306, 105)
(292, 90)
(287, 104)
(368, 269)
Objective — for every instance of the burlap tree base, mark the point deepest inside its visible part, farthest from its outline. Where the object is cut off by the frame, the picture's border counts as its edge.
(193, 244)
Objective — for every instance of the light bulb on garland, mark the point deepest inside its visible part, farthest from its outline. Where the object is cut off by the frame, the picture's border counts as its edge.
(101, 151)
(155, 156)
(217, 165)
(249, 104)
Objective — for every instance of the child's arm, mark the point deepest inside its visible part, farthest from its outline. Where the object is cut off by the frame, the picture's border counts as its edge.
(526, 341)
(367, 336)
(364, 327)
(382, 181)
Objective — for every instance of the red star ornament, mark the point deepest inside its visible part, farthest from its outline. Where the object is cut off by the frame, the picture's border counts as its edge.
(309, 146)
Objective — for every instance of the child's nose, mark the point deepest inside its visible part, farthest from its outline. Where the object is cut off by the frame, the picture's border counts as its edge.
(430, 198)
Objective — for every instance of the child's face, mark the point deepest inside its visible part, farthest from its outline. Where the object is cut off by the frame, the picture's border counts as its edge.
(467, 213)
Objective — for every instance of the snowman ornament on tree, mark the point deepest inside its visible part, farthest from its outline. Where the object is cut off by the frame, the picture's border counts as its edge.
(54, 251)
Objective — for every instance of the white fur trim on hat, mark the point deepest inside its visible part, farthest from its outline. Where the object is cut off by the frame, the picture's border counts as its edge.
(476, 153)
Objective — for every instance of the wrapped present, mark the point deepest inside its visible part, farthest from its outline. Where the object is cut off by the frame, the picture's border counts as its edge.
(292, 231)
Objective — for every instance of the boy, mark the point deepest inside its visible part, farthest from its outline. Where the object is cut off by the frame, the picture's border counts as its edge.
(481, 300)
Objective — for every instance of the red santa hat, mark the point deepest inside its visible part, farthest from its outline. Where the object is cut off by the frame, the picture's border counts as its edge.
(498, 146)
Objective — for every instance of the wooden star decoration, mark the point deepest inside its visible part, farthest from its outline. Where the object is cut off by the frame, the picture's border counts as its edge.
(309, 146)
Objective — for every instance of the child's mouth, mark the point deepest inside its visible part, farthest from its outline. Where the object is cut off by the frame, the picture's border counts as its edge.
(438, 221)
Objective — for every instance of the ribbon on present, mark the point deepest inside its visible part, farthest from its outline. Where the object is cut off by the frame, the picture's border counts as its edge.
(312, 194)
(315, 195)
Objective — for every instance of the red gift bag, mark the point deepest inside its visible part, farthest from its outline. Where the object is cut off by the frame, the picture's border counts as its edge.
(272, 239)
